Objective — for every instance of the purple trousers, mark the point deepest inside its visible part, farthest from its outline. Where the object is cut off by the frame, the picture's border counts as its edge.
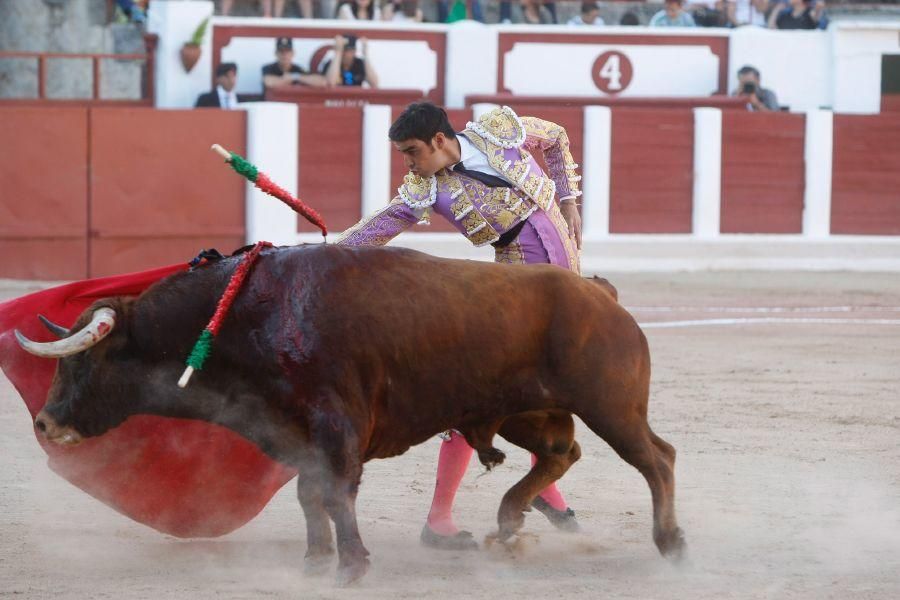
(544, 239)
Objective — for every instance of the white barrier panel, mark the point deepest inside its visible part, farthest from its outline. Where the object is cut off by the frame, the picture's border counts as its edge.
(707, 172)
(595, 169)
(376, 162)
(818, 156)
(596, 69)
(856, 51)
(272, 141)
(174, 23)
(471, 51)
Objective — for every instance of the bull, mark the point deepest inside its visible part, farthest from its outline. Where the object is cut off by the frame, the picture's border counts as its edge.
(332, 356)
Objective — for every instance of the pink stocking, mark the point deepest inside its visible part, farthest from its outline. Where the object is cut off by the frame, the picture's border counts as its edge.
(551, 493)
(452, 464)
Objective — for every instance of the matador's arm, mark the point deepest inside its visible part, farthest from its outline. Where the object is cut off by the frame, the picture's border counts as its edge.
(382, 226)
(552, 140)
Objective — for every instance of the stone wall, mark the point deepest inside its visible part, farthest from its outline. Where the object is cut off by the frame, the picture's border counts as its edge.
(67, 26)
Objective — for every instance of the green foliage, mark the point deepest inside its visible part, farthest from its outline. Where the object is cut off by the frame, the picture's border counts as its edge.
(197, 37)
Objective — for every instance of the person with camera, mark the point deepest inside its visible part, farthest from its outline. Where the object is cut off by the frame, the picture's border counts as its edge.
(799, 14)
(758, 98)
(346, 68)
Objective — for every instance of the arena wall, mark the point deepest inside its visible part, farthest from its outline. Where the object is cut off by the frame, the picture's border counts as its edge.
(692, 182)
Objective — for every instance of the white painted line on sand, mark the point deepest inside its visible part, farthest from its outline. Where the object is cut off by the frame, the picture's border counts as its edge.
(766, 321)
(762, 309)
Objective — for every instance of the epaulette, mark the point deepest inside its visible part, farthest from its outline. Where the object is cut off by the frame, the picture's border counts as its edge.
(501, 127)
(418, 192)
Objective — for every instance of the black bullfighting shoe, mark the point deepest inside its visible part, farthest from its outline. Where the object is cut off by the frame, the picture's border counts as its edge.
(561, 519)
(461, 541)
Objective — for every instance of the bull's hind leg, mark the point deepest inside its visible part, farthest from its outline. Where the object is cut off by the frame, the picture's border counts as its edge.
(550, 436)
(634, 441)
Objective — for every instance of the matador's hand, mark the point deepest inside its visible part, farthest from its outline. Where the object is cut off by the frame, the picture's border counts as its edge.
(570, 213)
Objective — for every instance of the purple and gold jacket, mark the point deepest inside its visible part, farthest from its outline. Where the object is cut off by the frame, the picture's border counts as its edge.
(480, 212)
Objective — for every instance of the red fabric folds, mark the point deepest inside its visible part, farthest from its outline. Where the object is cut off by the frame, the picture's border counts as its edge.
(181, 477)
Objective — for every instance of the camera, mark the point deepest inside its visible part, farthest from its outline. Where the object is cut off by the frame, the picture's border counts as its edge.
(748, 88)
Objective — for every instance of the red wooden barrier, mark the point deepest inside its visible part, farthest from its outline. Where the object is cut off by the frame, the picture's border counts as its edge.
(330, 169)
(44, 195)
(651, 185)
(715, 101)
(343, 96)
(762, 172)
(157, 194)
(865, 194)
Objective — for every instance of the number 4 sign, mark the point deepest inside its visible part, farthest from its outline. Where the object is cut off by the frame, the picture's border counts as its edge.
(612, 72)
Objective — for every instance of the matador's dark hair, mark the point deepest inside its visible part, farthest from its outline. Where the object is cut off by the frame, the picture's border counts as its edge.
(421, 121)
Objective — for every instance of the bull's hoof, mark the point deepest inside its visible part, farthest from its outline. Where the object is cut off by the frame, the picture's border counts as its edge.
(671, 545)
(461, 541)
(491, 457)
(317, 564)
(510, 523)
(564, 520)
(515, 544)
(350, 573)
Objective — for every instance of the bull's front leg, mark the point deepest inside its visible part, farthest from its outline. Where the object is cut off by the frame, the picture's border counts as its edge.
(310, 492)
(336, 439)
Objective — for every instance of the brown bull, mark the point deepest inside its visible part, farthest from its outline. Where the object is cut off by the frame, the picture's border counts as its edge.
(333, 356)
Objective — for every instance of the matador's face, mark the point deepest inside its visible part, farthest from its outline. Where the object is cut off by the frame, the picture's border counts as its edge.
(425, 159)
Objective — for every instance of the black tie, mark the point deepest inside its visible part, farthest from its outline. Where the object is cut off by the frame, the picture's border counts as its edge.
(488, 180)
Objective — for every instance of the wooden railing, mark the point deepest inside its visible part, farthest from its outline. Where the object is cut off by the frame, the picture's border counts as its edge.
(147, 78)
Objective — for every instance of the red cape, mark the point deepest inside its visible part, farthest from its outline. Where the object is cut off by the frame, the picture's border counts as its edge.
(181, 477)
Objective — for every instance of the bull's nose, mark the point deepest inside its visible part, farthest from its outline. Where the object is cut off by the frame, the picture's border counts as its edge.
(40, 424)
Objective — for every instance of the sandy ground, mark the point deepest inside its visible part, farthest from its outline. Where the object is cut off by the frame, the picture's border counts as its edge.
(788, 477)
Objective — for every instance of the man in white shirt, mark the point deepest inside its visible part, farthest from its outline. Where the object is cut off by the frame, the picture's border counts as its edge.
(223, 96)
(590, 15)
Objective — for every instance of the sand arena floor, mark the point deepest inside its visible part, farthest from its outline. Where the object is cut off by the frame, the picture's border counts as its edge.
(785, 412)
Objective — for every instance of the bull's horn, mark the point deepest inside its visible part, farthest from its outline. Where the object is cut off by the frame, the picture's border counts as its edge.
(57, 330)
(102, 323)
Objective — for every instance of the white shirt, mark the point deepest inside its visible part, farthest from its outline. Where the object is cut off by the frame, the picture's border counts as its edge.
(475, 160)
(227, 100)
(747, 14)
(345, 12)
(576, 20)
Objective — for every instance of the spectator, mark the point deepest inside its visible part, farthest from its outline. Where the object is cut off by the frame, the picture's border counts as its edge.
(266, 7)
(346, 68)
(306, 8)
(284, 72)
(590, 15)
(135, 11)
(749, 12)
(709, 13)
(452, 10)
(758, 98)
(403, 11)
(359, 10)
(536, 13)
(673, 15)
(223, 96)
(799, 14)
(630, 19)
(506, 11)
